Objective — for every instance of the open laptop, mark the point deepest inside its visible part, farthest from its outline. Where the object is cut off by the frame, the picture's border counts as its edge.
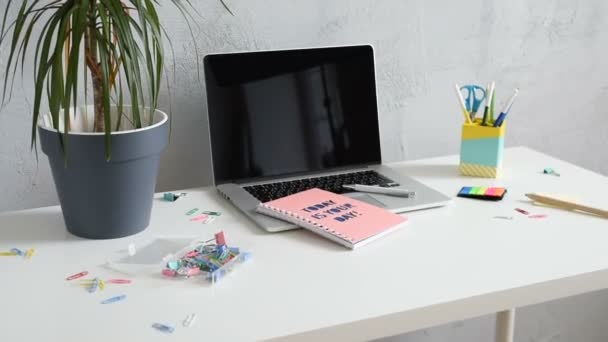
(285, 121)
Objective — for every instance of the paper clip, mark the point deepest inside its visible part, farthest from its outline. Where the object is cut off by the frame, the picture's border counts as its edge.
(114, 299)
(191, 211)
(189, 320)
(213, 213)
(201, 217)
(171, 197)
(220, 239)
(94, 286)
(29, 253)
(77, 275)
(538, 216)
(163, 327)
(131, 250)
(17, 251)
(522, 211)
(550, 171)
(246, 256)
(8, 254)
(118, 281)
(169, 273)
(504, 217)
(209, 219)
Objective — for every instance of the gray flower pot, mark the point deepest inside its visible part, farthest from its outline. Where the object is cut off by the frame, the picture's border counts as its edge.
(105, 199)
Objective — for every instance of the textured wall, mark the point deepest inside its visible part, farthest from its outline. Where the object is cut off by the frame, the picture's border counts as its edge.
(555, 51)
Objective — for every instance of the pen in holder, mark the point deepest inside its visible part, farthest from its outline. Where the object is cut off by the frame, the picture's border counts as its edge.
(481, 150)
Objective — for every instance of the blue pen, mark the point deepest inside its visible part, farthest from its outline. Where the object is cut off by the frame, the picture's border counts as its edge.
(503, 114)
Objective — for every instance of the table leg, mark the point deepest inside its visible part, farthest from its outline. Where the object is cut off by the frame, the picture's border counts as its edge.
(505, 325)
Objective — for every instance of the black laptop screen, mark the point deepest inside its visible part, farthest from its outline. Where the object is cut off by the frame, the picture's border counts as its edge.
(288, 112)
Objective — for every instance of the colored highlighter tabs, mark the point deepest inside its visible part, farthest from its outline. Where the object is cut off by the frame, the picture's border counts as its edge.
(482, 193)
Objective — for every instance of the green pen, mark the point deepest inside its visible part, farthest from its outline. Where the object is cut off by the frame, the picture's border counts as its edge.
(487, 110)
(492, 106)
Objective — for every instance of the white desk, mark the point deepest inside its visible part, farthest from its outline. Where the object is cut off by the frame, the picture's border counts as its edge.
(449, 264)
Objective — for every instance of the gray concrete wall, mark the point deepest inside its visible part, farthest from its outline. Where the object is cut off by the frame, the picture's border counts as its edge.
(556, 52)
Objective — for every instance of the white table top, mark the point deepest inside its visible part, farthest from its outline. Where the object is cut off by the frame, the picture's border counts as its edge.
(448, 264)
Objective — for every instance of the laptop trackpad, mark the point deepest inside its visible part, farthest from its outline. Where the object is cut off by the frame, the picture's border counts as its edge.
(367, 199)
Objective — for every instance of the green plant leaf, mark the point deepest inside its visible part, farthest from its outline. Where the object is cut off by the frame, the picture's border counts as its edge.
(119, 42)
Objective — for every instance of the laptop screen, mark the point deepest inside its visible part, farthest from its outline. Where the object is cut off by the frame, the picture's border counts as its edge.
(279, 113)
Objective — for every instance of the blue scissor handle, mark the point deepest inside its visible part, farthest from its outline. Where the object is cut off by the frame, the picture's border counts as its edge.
(471, 99)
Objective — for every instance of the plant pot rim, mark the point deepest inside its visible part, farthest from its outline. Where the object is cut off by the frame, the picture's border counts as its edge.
(164, 118)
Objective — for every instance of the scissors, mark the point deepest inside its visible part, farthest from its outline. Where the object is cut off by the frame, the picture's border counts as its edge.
(473, 98)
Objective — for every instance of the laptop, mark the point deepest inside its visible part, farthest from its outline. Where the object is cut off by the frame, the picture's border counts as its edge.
(285, 121)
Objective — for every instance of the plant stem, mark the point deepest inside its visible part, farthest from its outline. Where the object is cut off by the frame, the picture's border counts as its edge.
(90, 51)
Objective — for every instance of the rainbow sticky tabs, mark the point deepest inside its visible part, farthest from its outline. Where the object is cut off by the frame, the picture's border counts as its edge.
(481, 150)
(482, 193)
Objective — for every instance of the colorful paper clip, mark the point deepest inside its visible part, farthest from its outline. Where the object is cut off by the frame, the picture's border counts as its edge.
(189, 320)
(77, 275)
(213, 213)
(522, 211)
(198, 218)
(29, 253)
(163, 327)
(504, 217)
(101, 284)
(17, 251)
(114, 299)
(171, 197)
(550, 171)
(210, 219)
(191, 211)
(93, 286)
(220, 239)
(538, 216)
(213, 257)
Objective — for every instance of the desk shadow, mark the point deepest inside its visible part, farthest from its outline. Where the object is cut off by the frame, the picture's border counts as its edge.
(443, 171)
(34, 226)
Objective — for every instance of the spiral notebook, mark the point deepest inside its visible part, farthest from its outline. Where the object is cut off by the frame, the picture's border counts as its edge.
(342, 219)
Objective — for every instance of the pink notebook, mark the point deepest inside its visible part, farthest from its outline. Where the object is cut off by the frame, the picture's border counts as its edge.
(342, 219)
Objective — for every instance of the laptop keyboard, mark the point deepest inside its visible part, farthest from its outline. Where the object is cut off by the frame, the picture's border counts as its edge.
(333, 183)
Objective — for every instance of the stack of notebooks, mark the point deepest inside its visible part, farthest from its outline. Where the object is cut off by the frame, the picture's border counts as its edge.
(342, 219)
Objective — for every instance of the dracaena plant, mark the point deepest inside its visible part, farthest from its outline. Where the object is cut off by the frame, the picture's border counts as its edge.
(118, 44)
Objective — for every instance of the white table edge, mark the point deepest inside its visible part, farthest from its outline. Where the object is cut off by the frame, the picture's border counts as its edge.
(412, 320)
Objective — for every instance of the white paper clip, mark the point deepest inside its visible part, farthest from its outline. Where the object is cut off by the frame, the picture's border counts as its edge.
(131, 249)
(189, 320)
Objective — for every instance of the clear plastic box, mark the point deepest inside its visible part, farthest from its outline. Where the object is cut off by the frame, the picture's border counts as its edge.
(212, 274)
(152, 259)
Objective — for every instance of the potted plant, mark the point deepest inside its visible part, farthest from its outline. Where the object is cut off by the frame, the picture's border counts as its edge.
(104, 157)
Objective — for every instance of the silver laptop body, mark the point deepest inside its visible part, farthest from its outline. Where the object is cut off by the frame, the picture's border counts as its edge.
(298, 116)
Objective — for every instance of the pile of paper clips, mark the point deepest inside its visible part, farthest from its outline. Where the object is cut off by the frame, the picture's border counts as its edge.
(212, 258)
(28, 254)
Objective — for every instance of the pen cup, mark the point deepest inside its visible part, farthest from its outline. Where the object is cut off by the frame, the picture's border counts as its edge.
(481, 150)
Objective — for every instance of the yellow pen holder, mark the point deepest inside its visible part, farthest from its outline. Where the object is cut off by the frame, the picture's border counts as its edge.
(481, 150)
